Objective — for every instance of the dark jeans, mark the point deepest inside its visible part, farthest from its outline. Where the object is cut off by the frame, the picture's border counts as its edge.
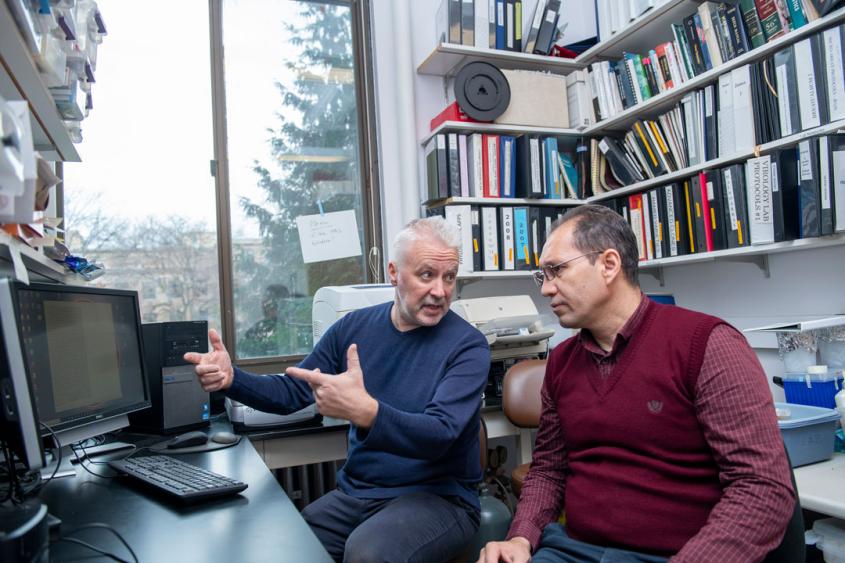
(417, 527)
(557, 547)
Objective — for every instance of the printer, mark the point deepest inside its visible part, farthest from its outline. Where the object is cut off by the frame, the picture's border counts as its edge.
(514, 331)
(330, 304)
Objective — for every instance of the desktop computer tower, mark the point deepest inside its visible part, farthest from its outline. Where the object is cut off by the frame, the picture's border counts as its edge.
(178, 401)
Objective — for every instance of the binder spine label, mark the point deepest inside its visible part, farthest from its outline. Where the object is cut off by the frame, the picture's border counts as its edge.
(729, 189)
(824, 172)
(835, 78)
(806, 165)
(784, 101)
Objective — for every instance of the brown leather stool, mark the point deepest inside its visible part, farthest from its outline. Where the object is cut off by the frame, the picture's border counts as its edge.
(522, 405)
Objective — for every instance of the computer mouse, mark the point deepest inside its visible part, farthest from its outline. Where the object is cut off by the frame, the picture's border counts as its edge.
(188, 439)
(224, 437)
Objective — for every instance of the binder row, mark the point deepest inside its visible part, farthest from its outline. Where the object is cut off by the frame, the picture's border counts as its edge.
(798, 88)
(793, 193)
(717, 32)
(504, 166)
(509, 25)
(500, 238)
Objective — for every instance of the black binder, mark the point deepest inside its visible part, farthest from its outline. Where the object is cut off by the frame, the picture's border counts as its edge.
(786, 200)
(735, 206)
(810, 191)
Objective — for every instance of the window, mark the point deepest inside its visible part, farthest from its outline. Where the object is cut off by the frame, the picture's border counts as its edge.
(292, 123)
(142, 200)
(281, 118)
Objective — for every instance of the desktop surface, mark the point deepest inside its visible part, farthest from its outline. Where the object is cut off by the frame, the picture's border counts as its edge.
(260, 524)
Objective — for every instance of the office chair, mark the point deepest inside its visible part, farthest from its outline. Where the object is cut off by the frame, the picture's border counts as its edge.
(792, 548)
(522, 405)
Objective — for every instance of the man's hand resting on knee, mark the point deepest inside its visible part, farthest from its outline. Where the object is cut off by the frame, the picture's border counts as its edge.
(515, 550)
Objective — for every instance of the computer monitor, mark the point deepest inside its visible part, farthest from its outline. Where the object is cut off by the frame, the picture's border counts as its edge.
(83, 355)
(19, 420)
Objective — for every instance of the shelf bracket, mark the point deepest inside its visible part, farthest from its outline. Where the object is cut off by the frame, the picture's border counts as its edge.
(656, 273)
(760, 260)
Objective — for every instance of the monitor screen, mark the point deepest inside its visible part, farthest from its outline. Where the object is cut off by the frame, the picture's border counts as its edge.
(82, 349)
(18, 417)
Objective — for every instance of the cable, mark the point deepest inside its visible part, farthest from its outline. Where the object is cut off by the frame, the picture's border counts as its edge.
(58, 458)
(98, 525)
(93, 548)
(81, 463)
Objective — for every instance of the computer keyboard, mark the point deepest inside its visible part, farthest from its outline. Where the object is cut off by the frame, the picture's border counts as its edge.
(184, 481)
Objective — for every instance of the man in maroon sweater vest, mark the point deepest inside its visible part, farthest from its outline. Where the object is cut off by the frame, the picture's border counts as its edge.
(658, 437)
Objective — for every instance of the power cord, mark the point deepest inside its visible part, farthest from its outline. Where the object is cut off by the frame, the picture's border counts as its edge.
(97, 525)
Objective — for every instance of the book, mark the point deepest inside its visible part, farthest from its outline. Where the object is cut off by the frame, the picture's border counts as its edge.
(753, 28)
(736, 216)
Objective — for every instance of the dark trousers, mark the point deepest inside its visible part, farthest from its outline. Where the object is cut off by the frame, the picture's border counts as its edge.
(557, 547)
(417, 527)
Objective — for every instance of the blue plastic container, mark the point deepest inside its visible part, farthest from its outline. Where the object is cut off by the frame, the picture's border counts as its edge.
(809, 433)
(814, 389)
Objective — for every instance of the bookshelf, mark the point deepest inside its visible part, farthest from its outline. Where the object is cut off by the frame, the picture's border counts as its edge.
(447, 58)
(34, 261)
(642, 33)
(501, 201)
(753, 254)
(20, 80)
(665, 100)
(639, 36)
(498, 129)
(830, 128)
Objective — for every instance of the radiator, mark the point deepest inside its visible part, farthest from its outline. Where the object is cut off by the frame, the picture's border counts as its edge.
(306, 483)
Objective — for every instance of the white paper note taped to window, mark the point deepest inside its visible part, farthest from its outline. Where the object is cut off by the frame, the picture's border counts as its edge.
(328, 236)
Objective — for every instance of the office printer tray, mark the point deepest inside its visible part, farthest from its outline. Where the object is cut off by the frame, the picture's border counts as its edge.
(243, 417)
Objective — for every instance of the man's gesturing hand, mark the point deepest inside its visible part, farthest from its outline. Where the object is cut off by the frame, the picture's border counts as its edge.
(342, 395)
(214, 368)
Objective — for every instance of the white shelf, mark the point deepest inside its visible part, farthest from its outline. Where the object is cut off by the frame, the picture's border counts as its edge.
(447, 58)
(748, 251)
(502, 201)
(665, 100)
(643, 33)
(830, 128)
(500, 128)
(35, 261)
(20, 80)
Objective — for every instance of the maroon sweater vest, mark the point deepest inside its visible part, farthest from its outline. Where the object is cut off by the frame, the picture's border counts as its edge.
(640, 473)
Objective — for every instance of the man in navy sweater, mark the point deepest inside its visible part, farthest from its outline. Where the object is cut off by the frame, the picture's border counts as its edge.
(408, 376)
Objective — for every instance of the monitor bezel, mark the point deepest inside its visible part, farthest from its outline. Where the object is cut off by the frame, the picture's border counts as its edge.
(30, 449)
(98, 422)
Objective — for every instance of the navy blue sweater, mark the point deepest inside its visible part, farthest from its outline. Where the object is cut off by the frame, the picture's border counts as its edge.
(428, 382)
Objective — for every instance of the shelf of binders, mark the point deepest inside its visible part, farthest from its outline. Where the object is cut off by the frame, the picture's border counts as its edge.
(20, 80)
(501, 201)
(665, 100)
(759, 150)
(640, 34)
(748, 251)
(498, 128)
(447, 58)
(12, 250)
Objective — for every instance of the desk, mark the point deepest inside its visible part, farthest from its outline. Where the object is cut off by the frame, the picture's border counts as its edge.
(327, 442)
(821, 486)
(260, 524)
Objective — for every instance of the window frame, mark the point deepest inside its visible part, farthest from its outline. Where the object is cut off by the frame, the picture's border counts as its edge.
(368, 153)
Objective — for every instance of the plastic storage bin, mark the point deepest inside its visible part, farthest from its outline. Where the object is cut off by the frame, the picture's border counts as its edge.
(829, 536)
(817, 387)
(808, 433)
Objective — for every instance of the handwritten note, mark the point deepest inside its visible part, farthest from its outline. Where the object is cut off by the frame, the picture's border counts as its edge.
(328, 236)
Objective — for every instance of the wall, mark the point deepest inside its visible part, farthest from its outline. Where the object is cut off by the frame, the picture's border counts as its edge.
(802, 285)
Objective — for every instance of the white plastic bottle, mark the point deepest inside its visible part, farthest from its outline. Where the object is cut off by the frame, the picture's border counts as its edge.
(840, 406)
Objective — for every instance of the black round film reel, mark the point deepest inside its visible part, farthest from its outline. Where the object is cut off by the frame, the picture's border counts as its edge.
(482, 91)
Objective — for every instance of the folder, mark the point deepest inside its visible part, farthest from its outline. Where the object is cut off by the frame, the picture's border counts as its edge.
(715, 220)
(468, 22)
(490, 158)
(454, 166)
(827, 193)
(758, 191)
(535, 233)
(810, 74)
(703, 235)
(477, 242)
(461, 217)
(785, 177)
(490, 238)
(658, 223)
(475, 164)
(463, 158)
(834, 50)
(501, 39)
(810, 190)
(735, 212)
(507, 168)
(528, 172)
(676, 218)
(507, 238)
(787, 88)
(637, 222)
(522, 239)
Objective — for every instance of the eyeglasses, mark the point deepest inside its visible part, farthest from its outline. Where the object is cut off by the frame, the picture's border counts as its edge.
(548, 273)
